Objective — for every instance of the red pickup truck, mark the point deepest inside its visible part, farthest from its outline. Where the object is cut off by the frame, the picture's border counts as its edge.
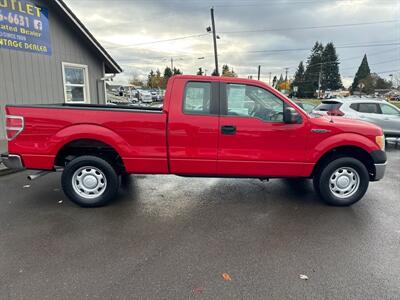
(208, 126)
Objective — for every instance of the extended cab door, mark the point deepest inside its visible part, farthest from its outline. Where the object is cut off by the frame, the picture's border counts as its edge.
(253, 139)
(193, 127)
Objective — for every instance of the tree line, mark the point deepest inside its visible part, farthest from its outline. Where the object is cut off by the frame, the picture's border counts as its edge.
(156, 79)
(322, 72)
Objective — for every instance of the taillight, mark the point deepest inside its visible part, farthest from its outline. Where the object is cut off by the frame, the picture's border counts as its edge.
(14, 126)
(335, 112)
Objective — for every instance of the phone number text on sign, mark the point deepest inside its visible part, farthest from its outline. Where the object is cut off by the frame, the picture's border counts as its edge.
(24, 26)
(15, 19)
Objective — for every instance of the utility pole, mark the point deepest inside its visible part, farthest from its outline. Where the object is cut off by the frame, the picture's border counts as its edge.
(215, 41)
(319, 82)
(259, 72)
(286, 70)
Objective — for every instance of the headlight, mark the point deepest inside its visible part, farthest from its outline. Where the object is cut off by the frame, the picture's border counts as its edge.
(380, 140)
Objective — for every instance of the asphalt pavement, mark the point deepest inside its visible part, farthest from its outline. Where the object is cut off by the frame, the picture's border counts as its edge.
(3, 149)
(169, 237)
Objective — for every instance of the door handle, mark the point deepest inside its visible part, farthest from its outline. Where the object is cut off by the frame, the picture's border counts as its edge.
(228, 129)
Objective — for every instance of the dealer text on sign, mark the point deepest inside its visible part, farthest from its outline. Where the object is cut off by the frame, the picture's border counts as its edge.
(24, 26)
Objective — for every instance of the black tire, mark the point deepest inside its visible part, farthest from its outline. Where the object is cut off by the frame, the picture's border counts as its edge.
(351, 168)
(103, 174)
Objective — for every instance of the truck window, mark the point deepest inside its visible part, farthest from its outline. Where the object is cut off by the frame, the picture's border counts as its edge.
(252, 101)
(197, 98)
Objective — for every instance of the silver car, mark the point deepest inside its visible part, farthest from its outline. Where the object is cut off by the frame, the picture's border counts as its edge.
(373, 110)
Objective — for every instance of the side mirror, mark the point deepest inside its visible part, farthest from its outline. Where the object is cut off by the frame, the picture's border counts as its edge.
(291, 116)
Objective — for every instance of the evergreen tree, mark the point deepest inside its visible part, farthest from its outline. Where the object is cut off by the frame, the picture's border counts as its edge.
(200, 72)
(227, 72)
(311, 75)
(330, 77)
(176, 71)
(167, 73)
(150, 79)
(274, 81)
(280, 82)
(299, 80)
(158, 80)
(362, 73)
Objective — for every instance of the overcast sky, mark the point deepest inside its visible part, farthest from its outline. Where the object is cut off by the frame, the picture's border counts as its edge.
(131, 30)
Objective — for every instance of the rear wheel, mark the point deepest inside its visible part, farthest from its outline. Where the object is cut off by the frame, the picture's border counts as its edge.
(342, 182)
(90, 181)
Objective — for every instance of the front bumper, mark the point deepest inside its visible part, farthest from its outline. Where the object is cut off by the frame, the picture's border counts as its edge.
(12, 161)
(379, 171)
(380, 162)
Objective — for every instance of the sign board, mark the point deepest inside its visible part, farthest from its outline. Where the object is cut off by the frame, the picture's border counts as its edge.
(24, 26)
(295, 89)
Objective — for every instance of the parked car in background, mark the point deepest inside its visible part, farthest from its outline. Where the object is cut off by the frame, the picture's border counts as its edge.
(145, 96)
(376, 111)
(308, 107)
(156, 95)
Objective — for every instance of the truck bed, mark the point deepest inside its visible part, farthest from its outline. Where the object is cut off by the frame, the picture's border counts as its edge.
(137, 133)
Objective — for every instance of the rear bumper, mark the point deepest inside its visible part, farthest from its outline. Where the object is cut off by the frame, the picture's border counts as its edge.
(380, 162)
(12, 161)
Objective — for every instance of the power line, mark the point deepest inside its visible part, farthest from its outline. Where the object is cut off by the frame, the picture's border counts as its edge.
(337, 47)
(160, 41)
(308, 27)
(251, 31)
(265, 3)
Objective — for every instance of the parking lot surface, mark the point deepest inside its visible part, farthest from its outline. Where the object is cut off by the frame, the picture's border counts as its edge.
(168, 237)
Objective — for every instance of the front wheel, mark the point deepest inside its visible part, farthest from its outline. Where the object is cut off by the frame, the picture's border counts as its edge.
(342, 182)
(90, 181)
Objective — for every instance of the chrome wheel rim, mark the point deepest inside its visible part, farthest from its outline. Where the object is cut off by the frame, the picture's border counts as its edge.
(89, 182)
(344, 182)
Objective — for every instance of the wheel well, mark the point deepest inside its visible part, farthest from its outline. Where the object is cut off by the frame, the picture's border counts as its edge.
(89, 147)
(347, 151)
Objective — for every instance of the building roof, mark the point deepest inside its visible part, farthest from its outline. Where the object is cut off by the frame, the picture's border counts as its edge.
(110, 65)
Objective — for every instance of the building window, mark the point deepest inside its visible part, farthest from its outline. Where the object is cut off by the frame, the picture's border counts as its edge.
(76, 83)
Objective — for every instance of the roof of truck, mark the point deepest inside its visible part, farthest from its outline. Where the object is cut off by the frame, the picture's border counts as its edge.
(219, 78)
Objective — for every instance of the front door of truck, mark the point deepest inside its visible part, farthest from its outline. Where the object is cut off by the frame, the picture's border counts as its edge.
(193, 127)
(253, 139)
